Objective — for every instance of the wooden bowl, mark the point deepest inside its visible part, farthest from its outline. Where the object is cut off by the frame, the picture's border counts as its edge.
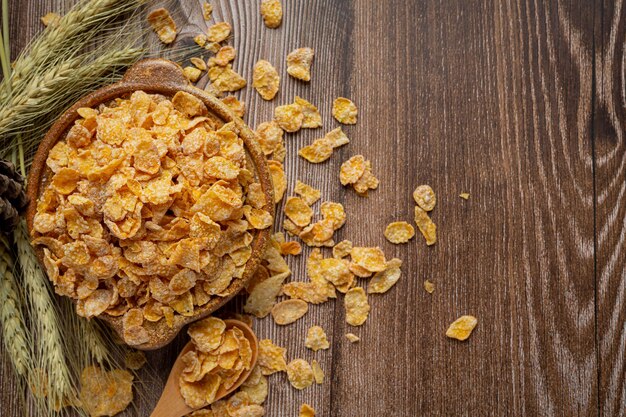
(166, 78)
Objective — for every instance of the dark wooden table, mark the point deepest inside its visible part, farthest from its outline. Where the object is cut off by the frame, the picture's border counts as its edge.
(520, 103)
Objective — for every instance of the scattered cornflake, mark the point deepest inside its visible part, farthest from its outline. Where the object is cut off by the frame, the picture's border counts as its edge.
(321, 149)
(263, 295)
(311, 292)
(352, 337)
(198, 63)
(219, 32)
(462, 327)
(272, 12)
(382, 281)
(429, 287)
(265, 79)
(272, 358)
(344, 111)
(464, 196)
(192, 73)
(163, 25)
(312, 117)
(318, 373)
(207, 10)
(342, 249)
(289, 117)
(223, 57)
(357, 171)
(426, 226)
(298, 211)
(50, 19)
(300, 374)
(306, 411)
(278, 179)
(290, 248)
(372, 259)
(299, 63)
(316, 339)
(238, 107)
(357, 307)
(289, 311)
(309, 194)
(225, 79)
(135, 359)
(424, 197)
(399, 232)
(256, 386)
(105, 393)
(200, 39)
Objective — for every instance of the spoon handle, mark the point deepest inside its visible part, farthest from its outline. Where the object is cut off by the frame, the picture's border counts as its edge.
(171, 403)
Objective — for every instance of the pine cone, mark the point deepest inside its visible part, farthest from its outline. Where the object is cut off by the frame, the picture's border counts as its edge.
(13, 198)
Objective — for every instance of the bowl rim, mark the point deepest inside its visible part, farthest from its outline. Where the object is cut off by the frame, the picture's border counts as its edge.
(158, 76)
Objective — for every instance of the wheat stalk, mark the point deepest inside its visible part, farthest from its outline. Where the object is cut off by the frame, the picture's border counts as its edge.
(48, 346)
(12, 321)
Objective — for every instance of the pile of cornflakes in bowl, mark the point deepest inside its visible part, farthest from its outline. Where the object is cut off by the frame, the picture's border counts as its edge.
(149, 210)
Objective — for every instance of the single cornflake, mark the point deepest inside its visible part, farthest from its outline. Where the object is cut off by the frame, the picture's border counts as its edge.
(105, 393)
(334, 213)
(316, 339)
(272, 358)
(207, 333)
(399, 232)
(344, 111)
(298, 211)
(237, 107)
(311, 292)
(352, 170)
(258, 218)
(372, 259)
(312, 117)
(367, 181)
(289, 117)
(265, 80)
(309, 194)
(163, 24)
(357, 307)
(192, 73)
(272, 12)
(299, 63)
(321, 149)
(256, 386)
(207, 10)
(424, 197)
(223, 57)
(426, 226)
(50, 19)
(462, 327)
(352, 337)
(198, 63)
(290, 248)
(342, 249)
(263, 296)
(429, 287)
(219, 32)
(300, 374)
(270, 136)
(200, 40)
(306, 411)
(464, 196)
(278, 179)
(289, 311)
(318, 373)
(224, 79)
(135, 359)
(382, 281)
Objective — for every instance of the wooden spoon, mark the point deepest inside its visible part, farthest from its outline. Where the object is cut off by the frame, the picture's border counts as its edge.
(172, 404)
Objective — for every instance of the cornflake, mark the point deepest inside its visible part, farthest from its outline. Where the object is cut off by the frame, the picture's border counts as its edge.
(256, 386)
(372, 259)
(312, 117)
(357, 171)
(306, 411)
(290, 248)
(309, 194)
(105, 393)
(382, 281)
(299, 63)
(272, 12)
(352, 337)
(289, 117)
(163, 24)
(321, 149)
(272, 358)
(316, 339)
(265, 79)
(462, 327)
(224, 79)
(219, 32)
(288, 311)
(198, 63)
(464, 196)
(342, 249)
(344, 111)
(399, 232)
(207, 10)
(429, 287)
(424, 197)
(192, 73)
(298, 211)
(278, 179)
(300, 374)
(237, 107)
(426, 226)
(269, 136)
(357, 307)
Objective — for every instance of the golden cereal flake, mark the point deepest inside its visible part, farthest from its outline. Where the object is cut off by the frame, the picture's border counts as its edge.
(207, 10)
(237, 107)
(424, 197)
(367, 181)
(224, 55)
(309, 194)
(300, 374)
(399, 232)
(352, 170)
(426, 226)
(319, 151)
(311, 292)
(272, 12)
(290, 248)
(462, 327)
(334, 213)
(279, 179)
(352, 338)
(207, 334)
(224, 79)
(265, 79)
(263, 296)
(272, 358)
(318, 373)
(306, 411)
(299, 63)
(298, 211)
(316, 339)
(163, 25)
(219, 32)
(200, 40)
(193, 74)
(270, 136)
(289, 117)
(344, 111)
(105, 393)
(289, 311)
(188, 104)
(258, 218)
(357, 307)
(135, 359)
(312, 117)
(342, 249)
(50, 19)
(372, 259)
(429, 287)
(464, 196)
(256, 386)
(382, 281)
(198, 63)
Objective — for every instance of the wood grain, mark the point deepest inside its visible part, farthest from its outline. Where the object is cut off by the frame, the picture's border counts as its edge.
(521, 103)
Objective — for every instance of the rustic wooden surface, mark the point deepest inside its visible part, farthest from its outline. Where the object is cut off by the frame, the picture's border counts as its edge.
(520, 103)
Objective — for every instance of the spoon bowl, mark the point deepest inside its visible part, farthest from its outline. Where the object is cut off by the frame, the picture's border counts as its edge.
(172, 403)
